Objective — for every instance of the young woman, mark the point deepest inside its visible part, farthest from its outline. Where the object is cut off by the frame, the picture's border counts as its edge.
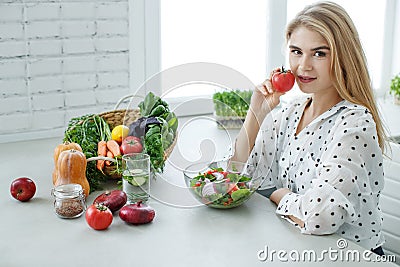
(323, 153)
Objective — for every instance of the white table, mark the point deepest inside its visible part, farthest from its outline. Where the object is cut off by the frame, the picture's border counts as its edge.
(180, 235)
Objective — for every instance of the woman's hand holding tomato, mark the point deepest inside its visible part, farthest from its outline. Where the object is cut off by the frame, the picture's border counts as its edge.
(266, 95)
(264, 99)
(283, 80)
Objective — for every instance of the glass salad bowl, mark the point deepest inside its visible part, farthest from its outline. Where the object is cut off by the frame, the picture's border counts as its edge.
(222, 184)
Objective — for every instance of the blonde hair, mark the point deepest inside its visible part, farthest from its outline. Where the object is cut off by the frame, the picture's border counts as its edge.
(349, 70)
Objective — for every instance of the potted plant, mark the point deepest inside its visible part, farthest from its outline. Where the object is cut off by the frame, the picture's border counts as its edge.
(231, 108)
(395, 89)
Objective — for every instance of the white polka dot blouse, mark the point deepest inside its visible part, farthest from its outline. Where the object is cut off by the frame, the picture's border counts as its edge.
(333, 168)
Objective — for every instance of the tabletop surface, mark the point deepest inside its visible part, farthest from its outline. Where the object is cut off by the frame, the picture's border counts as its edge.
(183, 233)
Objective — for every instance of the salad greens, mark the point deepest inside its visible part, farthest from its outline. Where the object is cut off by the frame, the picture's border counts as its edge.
(220, 189)
(159, 133)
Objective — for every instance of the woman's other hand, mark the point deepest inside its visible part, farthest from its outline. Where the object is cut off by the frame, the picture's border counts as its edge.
(277, 196)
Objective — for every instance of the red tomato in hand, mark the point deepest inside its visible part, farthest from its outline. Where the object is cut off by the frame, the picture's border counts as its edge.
(131, 144)
(283, 80)
(98, 216)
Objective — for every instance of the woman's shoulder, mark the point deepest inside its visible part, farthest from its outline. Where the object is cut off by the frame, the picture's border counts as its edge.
(355, 115)
(352, 106)
(349, 109)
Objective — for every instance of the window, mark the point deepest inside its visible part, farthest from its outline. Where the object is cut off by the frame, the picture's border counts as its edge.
(246, 36)
(231, 33)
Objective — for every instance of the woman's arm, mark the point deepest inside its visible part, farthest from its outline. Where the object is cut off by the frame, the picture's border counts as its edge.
(263, 100)
(246, 137)
(347, 182)
(276, 197)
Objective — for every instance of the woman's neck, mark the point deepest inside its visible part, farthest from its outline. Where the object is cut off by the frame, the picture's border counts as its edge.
(317, 105)
(320, 103)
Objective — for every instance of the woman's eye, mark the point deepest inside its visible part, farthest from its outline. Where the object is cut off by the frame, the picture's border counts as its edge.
(296, 52)
(320, 54)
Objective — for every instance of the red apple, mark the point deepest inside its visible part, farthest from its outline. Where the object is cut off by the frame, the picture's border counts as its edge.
(23, 189)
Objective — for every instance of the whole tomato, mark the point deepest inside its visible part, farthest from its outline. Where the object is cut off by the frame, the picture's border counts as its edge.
(283, 80)
(131, 144)
(98, 216)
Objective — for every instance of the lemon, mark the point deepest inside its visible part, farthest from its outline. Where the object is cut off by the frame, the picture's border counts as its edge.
(119, 133)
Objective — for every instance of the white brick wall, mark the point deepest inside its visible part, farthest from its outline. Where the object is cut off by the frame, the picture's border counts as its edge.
(60, 59)
(12, 50)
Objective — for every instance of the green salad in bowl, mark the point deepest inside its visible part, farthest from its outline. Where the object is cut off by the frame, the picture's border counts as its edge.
(222, 184)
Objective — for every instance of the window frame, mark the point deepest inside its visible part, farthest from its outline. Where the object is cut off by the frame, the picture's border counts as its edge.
(146, 45)
(390, 66)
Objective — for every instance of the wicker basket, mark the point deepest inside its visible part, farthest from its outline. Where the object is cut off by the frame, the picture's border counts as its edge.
(120, 116)
(125, 117)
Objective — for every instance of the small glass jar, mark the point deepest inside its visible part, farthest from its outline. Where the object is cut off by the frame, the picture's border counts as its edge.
(69, 201)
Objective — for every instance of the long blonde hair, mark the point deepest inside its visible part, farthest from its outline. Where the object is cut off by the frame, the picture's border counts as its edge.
(349, 70)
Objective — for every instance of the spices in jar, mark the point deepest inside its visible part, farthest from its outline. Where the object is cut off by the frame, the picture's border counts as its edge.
(69, 200)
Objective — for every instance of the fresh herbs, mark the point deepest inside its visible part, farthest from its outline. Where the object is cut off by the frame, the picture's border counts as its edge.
(87, 131)
(232, 103)
(395, 86)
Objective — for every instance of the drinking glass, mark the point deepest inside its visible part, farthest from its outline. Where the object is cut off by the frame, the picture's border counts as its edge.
(136, 177)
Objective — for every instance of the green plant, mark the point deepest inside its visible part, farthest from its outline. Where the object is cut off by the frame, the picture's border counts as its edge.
(395, 86)
(232, 103)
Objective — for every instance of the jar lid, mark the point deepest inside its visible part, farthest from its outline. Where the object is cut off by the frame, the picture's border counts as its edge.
(67, 190)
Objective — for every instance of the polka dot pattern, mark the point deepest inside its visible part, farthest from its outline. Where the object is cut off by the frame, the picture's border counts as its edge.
(333, 168)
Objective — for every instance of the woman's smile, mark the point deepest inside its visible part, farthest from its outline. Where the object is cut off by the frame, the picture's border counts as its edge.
(305, 79)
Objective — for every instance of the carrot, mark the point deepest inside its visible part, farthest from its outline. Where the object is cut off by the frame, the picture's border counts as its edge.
(102, 148)
(109, 155)
(100, 165)
(113, 146)
(101, 151)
